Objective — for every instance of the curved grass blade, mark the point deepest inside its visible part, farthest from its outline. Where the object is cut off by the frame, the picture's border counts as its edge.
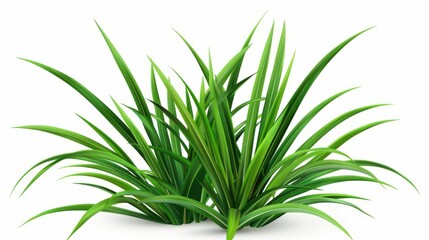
(330, 198)
(298, 96)
(319, 166)
(174, 132)
(290, 138)
(87, 155)
(37, 176)
(86, 207)
(113, 180)
(185, 202)
(343, 139)
(73, 136)
(379, 165)
(252, 114)
(162, 136)
(128, 76)
(282, 169)
(262, 198)
(147, 154)
(98, 207)
(330, 195)
(244, 104)
(287, 207)
(280, 93)
(232, 90)
(273, 85)
(102, 188)
(234, 75)
(290, 193)
(227, 70)
(335, 122)
(108, 140)
(175, 156)
(94, 100)
(200, 62)
(114, 170)
(315, 200)
(50, 159)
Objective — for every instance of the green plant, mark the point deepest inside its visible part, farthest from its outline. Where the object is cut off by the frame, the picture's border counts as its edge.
(203, 165)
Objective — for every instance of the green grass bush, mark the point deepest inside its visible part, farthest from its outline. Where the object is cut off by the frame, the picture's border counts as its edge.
(202, 163)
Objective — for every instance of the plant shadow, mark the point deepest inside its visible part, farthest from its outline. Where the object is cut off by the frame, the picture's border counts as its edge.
(208, 229)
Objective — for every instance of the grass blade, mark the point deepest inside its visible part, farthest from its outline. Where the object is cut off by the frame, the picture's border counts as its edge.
(287, 207)
(252, 114)
(128, 76)
(73, 136)
(95, 101)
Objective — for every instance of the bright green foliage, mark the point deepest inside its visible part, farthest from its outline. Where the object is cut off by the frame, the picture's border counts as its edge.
(205, 165)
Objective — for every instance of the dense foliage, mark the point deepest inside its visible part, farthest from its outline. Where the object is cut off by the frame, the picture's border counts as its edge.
(203, 163)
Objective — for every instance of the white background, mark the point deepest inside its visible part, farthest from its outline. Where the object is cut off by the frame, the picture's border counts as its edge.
(390, 62)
